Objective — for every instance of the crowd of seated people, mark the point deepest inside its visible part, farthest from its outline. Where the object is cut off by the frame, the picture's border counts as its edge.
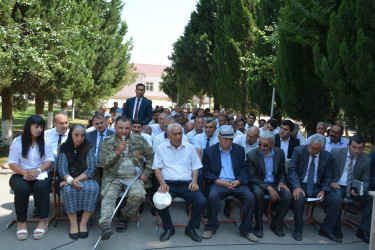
(200, 156)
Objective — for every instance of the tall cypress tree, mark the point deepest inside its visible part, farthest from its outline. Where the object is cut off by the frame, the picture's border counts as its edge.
(348, 70)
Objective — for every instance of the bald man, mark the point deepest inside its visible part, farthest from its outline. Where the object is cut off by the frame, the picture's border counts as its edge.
(248, 140)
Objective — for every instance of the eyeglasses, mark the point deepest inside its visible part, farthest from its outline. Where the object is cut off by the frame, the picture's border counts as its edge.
(263, 145)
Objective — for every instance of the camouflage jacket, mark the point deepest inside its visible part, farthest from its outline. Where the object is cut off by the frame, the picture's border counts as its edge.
(138, 148)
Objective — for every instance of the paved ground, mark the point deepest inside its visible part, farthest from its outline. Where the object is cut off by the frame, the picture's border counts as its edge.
(145, 237)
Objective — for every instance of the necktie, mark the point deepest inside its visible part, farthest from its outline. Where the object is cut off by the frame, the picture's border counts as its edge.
(136, 110)
(349, 177)
(99, 146)
(59, 144)
(310, 177)
(208, 142)
(165, 135)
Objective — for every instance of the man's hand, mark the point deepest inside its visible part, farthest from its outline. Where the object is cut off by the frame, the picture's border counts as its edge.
(77, 184)
(274, 195)
(353, 193)
(296, 193)
(321, 195)
(121, 146)
(143, 177)
(224, 183)
(235, 183)
(335, 185)
(163, 188)
(193, 186)
(282, 186)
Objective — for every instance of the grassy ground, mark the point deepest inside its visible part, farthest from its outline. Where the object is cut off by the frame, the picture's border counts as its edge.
(19, 118)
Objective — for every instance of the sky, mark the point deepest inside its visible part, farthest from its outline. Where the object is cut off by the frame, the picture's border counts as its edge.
(154, 26)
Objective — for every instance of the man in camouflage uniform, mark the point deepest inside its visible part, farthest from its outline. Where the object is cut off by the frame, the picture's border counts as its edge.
(119, 158)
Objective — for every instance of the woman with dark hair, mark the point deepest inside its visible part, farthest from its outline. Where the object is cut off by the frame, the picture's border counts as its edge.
(30, 157)
(77, 168)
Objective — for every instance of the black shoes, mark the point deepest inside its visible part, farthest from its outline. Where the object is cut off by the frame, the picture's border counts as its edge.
(330, 236)
(192, 234)
(121, 225)
(74, 236)
(297, 236)
(258, 233)
(363, 235)
(338, 233)
(106, 232)
(166, 235)
(83, 235)
(278, 232)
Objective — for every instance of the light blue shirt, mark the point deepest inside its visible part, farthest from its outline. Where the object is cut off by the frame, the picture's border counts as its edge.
(191, 135)
(226, 172)
(343, 143)
(268, 163)
(200, 141)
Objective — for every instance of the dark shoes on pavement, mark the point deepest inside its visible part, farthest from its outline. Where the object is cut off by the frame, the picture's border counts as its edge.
(121, 225)
(258, 233)
(166, 234)
(106, 232)
(192, 234)
(330, 236)
(363, 235)
(278, 232)
(297, 236)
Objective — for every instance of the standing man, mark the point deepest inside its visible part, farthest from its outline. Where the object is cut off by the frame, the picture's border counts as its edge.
(268, 176)
(176, 167)
(284, 140)
(350, 164)
(310, 175)
(119, 155)
(335, 139)
(139, 107)
(226, 173)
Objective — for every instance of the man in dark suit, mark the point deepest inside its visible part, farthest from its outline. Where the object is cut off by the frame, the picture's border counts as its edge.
(268, 176)
(226, 173)
(310, 176)
(139, 107)
(96, 137)
(350, 164)
(285, 140)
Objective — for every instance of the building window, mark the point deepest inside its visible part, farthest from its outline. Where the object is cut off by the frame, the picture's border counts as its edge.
(160, 87)
(149, 86)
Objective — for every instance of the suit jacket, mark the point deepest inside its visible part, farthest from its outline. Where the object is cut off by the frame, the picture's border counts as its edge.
(144, 111)
(258, 170)
(293, 142)
(361, 168)
(92, 136)
(299, 164)
(211, 162)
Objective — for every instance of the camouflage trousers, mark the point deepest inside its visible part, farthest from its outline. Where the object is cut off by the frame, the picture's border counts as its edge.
(135, 196)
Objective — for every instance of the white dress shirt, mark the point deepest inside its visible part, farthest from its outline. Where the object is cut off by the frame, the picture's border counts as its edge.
(284, 145)
(344, 176)
(190, 136)
(53, 137)
(301, 138)
(341, 144)
(161, 139)
(156, 130)
(176, 164)
(33, 159)
(241, 140)
(316, 169)
(200, 141)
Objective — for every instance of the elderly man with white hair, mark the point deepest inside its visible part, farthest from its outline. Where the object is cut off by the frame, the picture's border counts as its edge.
(176, 165)
(310, 176)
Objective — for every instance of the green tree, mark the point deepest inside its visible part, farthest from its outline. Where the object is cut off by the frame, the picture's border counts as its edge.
(303, 24)
(348, 69)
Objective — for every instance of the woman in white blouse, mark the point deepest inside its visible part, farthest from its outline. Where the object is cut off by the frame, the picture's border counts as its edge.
(30, 157)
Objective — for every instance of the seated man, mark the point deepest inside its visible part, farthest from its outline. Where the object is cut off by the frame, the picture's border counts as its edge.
(352, 164)
(176, 167)
(119, 155)
(268, 176)
(285, 140)
(309, 175)
(226, 173)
